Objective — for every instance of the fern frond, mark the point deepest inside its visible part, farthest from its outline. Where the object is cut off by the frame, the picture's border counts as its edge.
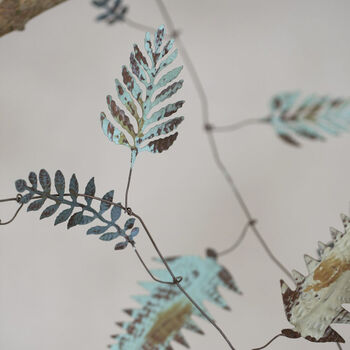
(165, 311)
(310, 117)
(77, 213)
(143, 89)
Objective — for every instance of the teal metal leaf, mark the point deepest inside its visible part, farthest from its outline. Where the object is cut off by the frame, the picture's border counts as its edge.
(310, 117)
(141, 90)
(77, 213)
(165, 311)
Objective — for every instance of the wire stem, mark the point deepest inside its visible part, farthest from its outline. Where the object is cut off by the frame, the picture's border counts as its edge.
(236, 126)
(178, 283)
(237, 242)
(138, 25)
(339, 346)
(274, 338)
(205, 117)
(178, 279)
(127, 188)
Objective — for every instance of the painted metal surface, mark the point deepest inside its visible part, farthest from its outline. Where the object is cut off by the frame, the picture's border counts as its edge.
(308, 117)
(165, 311)
(113, 10)
(77, 213)
(141, 91)
(317, 301)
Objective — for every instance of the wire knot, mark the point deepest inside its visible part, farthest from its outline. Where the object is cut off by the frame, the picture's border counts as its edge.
(177, 279)
(208, 127)
(129, 211)
(19, 198)
(252, 222)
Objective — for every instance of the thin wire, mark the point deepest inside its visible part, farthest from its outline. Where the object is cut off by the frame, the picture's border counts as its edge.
(14, 216)
(236, 126)
(178, 279)
(205, 116)
(127, 187)
(177, 283)
(15, 199)
(274, 338)
(339, 346)
(237, 242)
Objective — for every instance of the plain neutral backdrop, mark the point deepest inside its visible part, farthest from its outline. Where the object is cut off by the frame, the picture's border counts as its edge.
(63, 290)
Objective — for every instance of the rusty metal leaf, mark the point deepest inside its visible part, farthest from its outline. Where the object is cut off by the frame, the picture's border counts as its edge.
(165, 312)
(310, 117)
(71, 200)
(139, 94)
(317, 301)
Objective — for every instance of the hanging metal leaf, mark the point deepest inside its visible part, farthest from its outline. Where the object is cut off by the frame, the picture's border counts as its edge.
(309, 117)
(114, 10)
(317, 301)
(165, 312)
(139, 130)
(85, 214)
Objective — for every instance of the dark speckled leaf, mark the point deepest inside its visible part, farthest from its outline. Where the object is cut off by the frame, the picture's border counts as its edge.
(162, 144)
(90, 190)
(115, 213)
(59, 183)
(75, 219)
(50, 210)
(73, 187)
(107, 197)
(121, 245)
(129, 224)
(33, 179)
(63, 216)
(45, 181)
(36, 205)
(20, 185)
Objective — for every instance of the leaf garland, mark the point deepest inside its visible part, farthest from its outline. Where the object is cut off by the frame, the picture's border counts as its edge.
(77, 213)
(317, 301)
(135, 128)
(308, 117)
(115, 11)
(166, 311)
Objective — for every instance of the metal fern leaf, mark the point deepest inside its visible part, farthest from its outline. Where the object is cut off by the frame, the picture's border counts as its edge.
(165, 311)
(142, 90)
(310, 117)
(76, 212)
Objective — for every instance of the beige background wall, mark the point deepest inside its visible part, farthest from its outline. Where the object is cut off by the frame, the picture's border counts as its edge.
(63, 290)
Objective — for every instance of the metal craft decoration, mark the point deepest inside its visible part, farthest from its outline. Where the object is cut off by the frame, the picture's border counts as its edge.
(85, 213)
(114, 10)
(308, 117)
(142, 132)
(165, 311)
(317, 301)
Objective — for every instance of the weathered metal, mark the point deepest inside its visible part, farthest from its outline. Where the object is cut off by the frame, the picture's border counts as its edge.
(317, 301)
(166, 311)
(139, 131)
(109, 229)
(308, 117)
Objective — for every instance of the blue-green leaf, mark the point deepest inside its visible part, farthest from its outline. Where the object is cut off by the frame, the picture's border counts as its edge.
(63, 216)
(33, 179)
(165, 112)
(50, 210)
(36, 205)
(113, 133)
(96, 230)
(134, 232)
(109, 236)
(73, 187)
(75, 219)
(45, 181)
(168, 77)
(90, 190)
(115, 213)
(129, 224)
(60, 183)
(107, 197)
(20, 185)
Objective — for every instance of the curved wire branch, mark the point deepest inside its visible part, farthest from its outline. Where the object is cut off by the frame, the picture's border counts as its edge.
(274, 338)
(238, 241)
(14, 199)
(235, 126)
(205, 116)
